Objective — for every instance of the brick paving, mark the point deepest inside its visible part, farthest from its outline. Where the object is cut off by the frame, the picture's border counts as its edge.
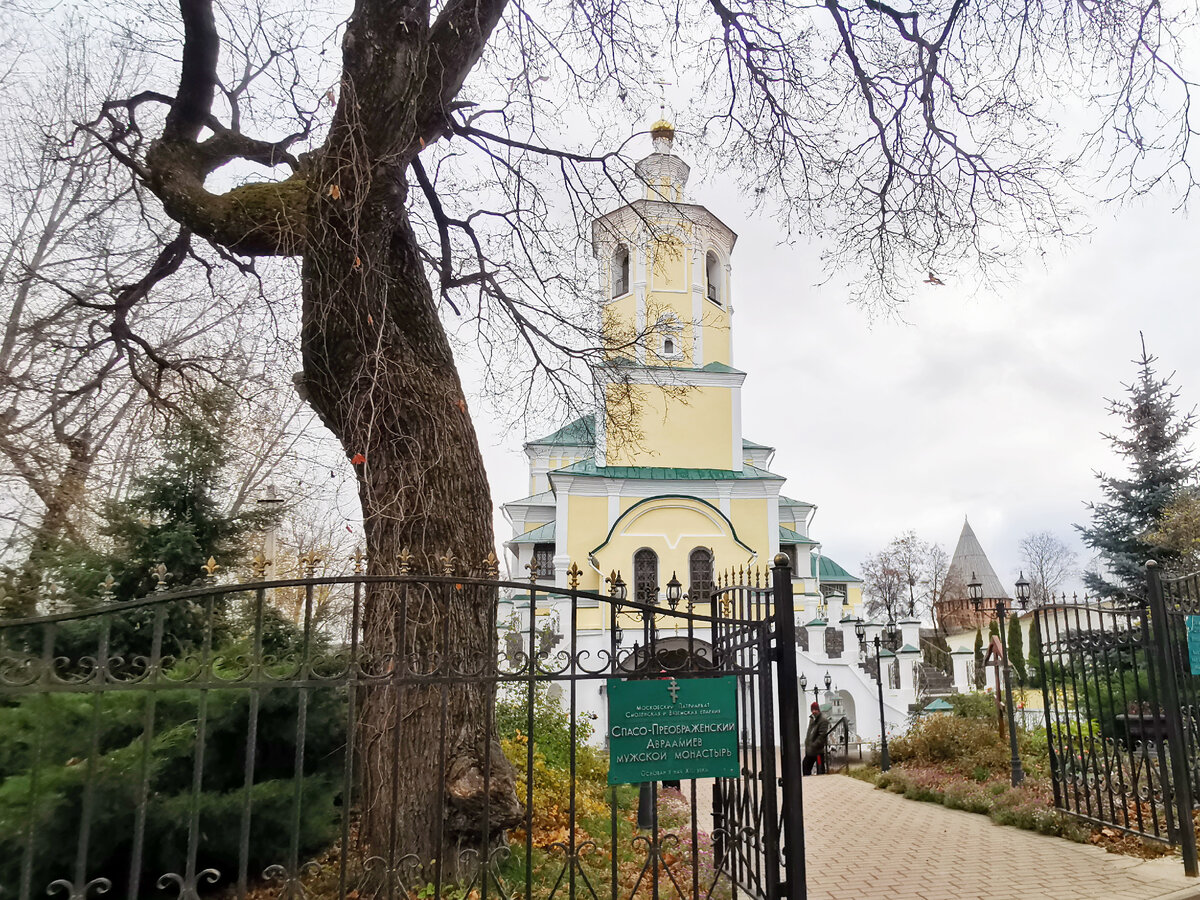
(865, 843)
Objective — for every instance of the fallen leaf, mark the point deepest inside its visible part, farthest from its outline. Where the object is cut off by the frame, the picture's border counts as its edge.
(335, 192)
(357, 459)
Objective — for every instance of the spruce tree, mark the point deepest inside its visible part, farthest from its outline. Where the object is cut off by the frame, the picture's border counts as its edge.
(1160, 468)
(174, 515)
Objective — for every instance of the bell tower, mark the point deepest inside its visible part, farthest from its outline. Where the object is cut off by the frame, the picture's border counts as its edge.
(671, 395)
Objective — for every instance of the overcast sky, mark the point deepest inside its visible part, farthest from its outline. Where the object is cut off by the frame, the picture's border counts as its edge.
(985, 403)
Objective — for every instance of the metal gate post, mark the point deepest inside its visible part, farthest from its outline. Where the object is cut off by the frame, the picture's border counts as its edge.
(1181, 787)
(791, 750)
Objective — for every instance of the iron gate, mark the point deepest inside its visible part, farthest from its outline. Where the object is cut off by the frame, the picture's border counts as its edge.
(1122, 711)
(199, 742)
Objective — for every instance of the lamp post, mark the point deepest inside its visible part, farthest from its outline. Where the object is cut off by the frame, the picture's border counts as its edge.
(975, 593)
(889, 639)
(648, 790)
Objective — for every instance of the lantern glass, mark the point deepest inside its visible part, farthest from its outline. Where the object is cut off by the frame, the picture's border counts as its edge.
(674, 590)
(975, 591)
(803, 682)
(828, 680)
(860, 631)
(1023, 591)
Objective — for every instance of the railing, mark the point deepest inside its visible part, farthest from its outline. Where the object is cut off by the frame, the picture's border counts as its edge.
(837, 750)
(938, 657)
(394, 745)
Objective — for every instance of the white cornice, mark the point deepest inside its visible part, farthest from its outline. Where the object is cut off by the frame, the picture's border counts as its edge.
(668, 376)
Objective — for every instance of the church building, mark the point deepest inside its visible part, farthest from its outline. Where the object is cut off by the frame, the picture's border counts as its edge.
(661, 481)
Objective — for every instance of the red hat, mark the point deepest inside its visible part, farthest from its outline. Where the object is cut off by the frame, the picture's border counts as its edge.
(816, 706)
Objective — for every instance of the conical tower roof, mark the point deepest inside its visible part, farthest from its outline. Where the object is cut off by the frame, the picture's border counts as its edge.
(969, 559)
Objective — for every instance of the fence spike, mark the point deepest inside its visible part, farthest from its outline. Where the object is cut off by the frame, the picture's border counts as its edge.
(359, 558)
(573, 574)
(258, 566)
(448, 562)
(532, 566)
(160, 574)
(210, 570)
(405, 559)
(310, 560)
(106, 587)
(491, 565)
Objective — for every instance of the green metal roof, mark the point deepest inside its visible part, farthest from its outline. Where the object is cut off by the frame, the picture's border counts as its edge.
(717, 367)
(750, 445)
(580, 433)
(938, 705)
(543, 534)
(788, 501)
(831, 571)
(588, 467)
(909, 648)
(787, 536)
(545, 498)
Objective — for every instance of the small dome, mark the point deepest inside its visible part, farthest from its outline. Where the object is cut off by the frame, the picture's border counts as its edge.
(662, 128)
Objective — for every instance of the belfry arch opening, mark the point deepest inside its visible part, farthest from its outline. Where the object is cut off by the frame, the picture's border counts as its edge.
(712, 277)
(620, 271)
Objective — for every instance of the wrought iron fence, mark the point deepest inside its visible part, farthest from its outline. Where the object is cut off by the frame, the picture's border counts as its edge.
(197, 740)
(1121, 697)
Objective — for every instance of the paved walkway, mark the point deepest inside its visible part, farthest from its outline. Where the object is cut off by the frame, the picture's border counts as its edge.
(864, 843)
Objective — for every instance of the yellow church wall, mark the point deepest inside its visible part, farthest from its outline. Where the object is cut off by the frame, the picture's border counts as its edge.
(716, 334)
(668, 257)
(749, 517)
(587, 523)
(672, 527)
(694, 436)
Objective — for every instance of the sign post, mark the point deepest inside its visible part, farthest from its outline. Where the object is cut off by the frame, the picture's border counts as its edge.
(668, 729)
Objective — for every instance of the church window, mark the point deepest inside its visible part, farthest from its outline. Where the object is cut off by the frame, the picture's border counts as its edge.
(543, 555)
(620, 271)
(668, 346)
(700, 575)
(712, 277)
(645, 576)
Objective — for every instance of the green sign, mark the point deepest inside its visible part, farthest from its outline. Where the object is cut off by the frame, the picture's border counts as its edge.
(664, 729)
(1193, 643)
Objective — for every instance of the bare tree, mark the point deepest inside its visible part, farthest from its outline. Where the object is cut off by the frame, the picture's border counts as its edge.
(885, 588)
(917, 138)
(1049, 563)
(906, 577)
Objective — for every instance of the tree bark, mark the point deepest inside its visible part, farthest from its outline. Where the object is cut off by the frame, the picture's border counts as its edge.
(380, 372)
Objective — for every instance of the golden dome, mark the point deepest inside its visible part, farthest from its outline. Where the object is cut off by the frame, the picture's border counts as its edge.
(662, 128)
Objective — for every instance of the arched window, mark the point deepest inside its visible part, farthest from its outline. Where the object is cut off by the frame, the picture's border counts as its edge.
(712, 277)
(620, 271)
(645, 576)
(700, 575)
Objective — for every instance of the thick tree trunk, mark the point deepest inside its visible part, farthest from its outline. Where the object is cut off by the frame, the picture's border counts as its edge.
(379, 370)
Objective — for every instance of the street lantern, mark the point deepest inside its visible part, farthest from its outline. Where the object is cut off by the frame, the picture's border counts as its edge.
(674, 591)
(891, 634)
(803, 682)
(617, 587)
(1023, 591)
(888, 637)
(975, 591)
(828, 681)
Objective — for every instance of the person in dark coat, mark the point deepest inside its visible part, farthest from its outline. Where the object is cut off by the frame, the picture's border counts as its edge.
(816, 740)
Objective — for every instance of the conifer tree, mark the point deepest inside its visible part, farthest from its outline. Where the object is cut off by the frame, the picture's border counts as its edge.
(1034, 667)
(1016, 650)
(978, 658)
(1160, 468)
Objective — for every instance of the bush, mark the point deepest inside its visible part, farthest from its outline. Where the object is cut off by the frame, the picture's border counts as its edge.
(47, 796)
(976, 705)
